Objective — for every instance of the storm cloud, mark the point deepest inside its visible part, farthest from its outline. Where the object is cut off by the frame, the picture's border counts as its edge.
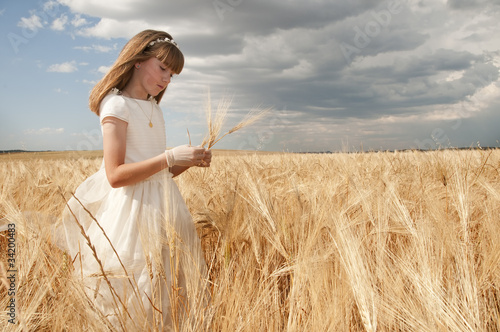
(382, 74)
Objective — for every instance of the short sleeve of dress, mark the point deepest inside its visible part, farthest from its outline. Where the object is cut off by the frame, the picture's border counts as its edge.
(114, 105)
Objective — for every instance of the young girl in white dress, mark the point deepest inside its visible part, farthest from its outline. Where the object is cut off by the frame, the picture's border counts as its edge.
(140, 256)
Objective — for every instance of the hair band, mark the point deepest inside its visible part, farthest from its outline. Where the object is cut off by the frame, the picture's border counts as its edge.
(166, 40)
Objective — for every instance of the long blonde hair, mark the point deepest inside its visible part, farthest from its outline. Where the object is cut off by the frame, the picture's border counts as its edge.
(137, 49)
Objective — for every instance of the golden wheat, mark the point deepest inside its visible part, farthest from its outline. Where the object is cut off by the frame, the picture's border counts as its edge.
(406, 241)
(217, 121)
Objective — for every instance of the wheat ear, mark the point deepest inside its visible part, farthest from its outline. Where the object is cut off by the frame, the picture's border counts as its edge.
(249, 119)
(215, 123)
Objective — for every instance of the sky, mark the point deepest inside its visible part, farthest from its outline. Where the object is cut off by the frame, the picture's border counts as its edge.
(337, 75)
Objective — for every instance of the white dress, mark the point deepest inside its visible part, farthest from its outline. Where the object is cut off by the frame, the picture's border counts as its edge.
(158, 279)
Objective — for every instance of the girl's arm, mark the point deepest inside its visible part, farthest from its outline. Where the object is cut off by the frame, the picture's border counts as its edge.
(118, 173)
(178, 170)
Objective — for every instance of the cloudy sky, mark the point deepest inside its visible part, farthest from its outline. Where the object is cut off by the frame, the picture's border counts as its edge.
(340, 75)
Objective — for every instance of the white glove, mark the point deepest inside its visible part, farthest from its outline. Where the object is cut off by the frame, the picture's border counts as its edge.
(184, 155)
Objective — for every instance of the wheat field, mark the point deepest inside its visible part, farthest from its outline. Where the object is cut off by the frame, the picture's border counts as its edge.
(381, 241)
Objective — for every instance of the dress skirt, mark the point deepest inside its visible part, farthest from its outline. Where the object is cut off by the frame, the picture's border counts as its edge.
(137, 251)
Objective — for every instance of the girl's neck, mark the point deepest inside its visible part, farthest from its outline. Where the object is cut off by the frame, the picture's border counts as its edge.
(134, 93)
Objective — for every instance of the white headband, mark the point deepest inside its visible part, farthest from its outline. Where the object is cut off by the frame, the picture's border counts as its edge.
(166, 40)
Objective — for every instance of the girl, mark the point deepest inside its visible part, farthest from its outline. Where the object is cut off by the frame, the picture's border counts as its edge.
(139, 255)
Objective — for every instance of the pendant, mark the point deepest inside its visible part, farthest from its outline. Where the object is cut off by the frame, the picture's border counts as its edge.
(150, 124)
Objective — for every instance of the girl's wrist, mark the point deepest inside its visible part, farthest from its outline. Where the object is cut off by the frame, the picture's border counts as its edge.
(169, 158)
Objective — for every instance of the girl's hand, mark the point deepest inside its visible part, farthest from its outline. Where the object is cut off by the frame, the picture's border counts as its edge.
(207, 159)
(185, 155)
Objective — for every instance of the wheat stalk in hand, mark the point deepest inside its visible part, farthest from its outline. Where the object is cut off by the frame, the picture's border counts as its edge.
(215, 124)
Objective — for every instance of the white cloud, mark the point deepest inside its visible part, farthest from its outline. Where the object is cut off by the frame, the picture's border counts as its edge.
(32, 23)
(89, 82)
(51, 7)
(44, 131)
(2, 11)
(97, 48)
(66, 67)
(59, 90)
(59, 23)
(110, 28)
(99, 8)
(79, 21)
(103, 69)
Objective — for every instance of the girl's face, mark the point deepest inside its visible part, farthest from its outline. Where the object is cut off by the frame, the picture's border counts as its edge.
(153, 76)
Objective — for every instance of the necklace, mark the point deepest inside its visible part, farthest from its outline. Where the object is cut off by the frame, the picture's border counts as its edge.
(151, 116)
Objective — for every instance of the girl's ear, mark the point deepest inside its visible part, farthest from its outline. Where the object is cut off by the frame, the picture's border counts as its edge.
(137, 65)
